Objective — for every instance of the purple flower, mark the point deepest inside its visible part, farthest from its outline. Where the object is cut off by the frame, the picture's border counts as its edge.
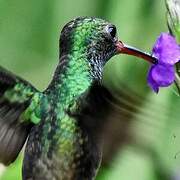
(167, 51)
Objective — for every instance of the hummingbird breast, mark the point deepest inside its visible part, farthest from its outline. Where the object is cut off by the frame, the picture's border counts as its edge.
(66, 145)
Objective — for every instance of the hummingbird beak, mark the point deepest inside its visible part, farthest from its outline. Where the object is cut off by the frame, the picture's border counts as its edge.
(125, 49)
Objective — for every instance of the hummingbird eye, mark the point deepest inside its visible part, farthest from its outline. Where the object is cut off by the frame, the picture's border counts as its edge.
(112, 31)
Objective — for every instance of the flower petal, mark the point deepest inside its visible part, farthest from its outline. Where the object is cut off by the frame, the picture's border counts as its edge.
(151, 82)
(166, 49)
(163, 75)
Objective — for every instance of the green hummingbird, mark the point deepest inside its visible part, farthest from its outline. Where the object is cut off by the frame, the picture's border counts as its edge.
(63, 125)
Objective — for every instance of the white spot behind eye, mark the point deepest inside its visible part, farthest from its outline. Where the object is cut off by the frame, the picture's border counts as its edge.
(111, 30)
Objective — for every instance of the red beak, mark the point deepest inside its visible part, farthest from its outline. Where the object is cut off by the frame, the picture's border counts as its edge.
(125, 49)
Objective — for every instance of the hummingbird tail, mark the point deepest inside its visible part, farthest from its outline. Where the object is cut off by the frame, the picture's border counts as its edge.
(15, 97)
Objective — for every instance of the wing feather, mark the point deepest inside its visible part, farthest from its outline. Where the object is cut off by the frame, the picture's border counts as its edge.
(15, 97)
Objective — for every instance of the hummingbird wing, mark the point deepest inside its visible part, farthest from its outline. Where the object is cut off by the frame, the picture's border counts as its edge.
(15, 97)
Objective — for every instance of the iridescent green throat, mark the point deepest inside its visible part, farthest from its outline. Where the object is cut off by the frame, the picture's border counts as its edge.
(72, 78)
(77, 69)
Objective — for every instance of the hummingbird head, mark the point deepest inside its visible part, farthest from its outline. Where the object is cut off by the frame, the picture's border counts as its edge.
(97, 40)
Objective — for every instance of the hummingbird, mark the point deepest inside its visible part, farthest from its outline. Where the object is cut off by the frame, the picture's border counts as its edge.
(63, 125)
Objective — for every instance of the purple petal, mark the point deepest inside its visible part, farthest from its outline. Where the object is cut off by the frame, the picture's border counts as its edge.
(151, 81)
(163, 75)
(166, 49)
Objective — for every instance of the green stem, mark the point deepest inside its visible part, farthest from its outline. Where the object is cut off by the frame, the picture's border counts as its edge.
(173, 16)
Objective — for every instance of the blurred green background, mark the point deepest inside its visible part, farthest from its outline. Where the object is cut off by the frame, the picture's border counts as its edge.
(29, 34)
